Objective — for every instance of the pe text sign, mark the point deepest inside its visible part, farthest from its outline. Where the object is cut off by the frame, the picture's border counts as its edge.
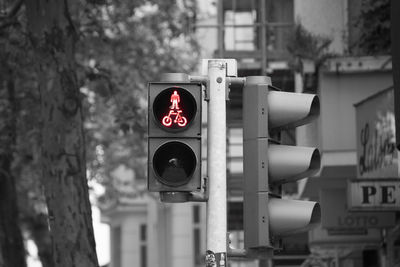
(374, 194)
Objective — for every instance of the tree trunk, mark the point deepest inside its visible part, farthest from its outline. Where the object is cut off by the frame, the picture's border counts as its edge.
(12, 250)
(63, 147)
(40, 235)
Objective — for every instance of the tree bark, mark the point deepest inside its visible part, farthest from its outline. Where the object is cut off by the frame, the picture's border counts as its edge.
(12, 250)
(63, 146)
(40, 235)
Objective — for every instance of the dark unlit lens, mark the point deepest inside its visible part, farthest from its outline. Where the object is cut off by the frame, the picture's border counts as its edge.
(174, 163)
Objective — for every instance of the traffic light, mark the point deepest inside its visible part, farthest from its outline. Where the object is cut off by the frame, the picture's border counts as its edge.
(267, 164)
(174, 136)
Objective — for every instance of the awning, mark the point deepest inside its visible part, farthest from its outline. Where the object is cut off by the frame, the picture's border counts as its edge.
(330, 177)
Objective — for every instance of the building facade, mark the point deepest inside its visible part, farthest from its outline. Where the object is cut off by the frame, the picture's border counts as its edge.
(347, 238)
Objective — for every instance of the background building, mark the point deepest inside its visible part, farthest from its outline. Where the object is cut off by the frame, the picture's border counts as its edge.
(145, 232)
(346, 238)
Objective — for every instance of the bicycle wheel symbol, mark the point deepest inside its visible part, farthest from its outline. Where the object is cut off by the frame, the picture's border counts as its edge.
(167, 121)
(182, 121)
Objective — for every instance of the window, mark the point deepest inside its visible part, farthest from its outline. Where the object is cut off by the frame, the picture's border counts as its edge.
(396, 251)
(198, 255)
(116, 246)
(143, 234)
(196, 214)
(370, 258)
(143, 244)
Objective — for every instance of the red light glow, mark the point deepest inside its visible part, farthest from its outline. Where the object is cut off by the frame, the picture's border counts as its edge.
(175, 113)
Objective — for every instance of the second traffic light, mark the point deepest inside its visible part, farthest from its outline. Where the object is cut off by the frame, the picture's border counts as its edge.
(267, 164)
(174, 136)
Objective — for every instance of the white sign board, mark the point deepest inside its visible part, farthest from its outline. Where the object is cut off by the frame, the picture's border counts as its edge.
(374, 194)
(376, 136)
(377, 187)
(335, 214)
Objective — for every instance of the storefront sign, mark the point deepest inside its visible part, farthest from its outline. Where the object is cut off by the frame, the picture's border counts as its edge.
(377, 156)
(336, 216)
(376, 141)
(380, 194)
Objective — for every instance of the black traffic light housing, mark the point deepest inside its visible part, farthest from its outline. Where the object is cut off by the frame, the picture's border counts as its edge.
(174, 144)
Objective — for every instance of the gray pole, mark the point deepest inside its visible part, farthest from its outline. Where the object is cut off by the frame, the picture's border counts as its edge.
(264, 40)
(216, 164)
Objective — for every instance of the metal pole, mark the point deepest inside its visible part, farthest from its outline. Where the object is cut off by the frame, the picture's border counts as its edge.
(221, 28)
(216, 164)
(264, 30)
(337, 258)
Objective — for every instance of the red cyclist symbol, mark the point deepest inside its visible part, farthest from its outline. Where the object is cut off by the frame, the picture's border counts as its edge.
(176, 111)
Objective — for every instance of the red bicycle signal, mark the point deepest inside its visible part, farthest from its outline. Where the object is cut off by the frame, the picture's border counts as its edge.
(174, 108)
(180, 120)
(174, 131)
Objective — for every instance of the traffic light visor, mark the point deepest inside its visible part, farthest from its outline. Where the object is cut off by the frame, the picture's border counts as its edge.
(174, 108)
(174, 163)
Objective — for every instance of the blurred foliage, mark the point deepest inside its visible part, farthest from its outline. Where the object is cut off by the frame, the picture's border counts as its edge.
(124, 45)
(305, 45)
(374, 25)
